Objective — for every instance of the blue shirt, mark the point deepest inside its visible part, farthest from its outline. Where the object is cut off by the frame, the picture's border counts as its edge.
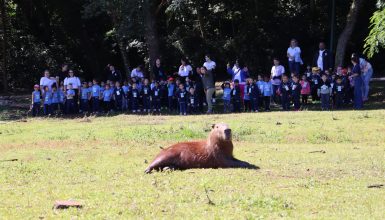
(227, 94)
(260, 86)
(84, 93)
(247, 91)
(267, 89)
(70, 94)
(36, 96)
(61, 96)
(48, 98)
(126, 89)
(55, 97)
(96, 90)
(171, 88)
(107, 95)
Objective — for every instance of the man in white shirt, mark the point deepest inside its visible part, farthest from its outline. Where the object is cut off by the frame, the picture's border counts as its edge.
(323, 59)
(276, 75)
(46, 80)
(137, 73)
(209, 64)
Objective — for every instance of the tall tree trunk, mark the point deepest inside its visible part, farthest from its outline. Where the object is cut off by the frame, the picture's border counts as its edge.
(344, 37)
(4, 45)
(123, 54)
(151, 32)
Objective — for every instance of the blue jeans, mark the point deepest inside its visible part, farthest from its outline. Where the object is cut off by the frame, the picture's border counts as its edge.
(294, 67)
(35, 109)
(182, 107)
(366, 78)
(325, 98)
(95, 104)
(47, 109)
(226, 106)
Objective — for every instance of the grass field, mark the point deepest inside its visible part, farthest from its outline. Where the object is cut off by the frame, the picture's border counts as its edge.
(314, 165)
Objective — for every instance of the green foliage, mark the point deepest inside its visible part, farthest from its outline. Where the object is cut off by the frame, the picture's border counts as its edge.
(376, 38)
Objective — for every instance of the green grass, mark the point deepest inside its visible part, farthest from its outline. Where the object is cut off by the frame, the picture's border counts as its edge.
(101, 164)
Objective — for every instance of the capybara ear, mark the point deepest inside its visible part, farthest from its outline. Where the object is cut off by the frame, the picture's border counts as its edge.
(213, 126)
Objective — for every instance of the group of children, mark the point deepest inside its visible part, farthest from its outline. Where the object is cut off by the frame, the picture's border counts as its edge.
(184, 96)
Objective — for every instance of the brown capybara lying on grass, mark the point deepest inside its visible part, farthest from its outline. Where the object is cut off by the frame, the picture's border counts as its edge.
(215, 152)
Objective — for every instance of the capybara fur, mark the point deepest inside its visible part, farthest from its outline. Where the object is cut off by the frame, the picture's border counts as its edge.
(215, 152)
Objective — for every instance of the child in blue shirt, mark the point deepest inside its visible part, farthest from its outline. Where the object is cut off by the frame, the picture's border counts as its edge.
(260, 84)
(85, 95)
(226, 97)
(236, 96)
(47, 96)
(134, 97)
(107, 96)
(324, 90)
(55, 99)
(70, 102)
(62, 97)
(126, 89)
(171, 88)
(267, 92)
(36, 100)
(181, 94)
(296, 93)
(95, 94)
(146, 94)
(156, 98)
(285, 92)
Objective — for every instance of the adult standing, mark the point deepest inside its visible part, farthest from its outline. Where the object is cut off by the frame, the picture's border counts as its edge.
(114, 74)
(323, 58)
(75, 82)
(209, 86)
(63, 73)
(185, 69)
(367, 73)
(209, 64)
(158, 71)
(241, 74)
(276, 76)
(46, 80)
(294, 56)
(137, 73)
(357, 82)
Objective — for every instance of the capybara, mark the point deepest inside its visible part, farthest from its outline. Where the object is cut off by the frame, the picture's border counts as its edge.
(215, 152)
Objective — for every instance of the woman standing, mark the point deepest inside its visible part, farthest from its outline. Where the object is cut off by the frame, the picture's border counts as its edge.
(75, 81)
(357, 81)
(294, 56)
(158, 71)
(185, 69)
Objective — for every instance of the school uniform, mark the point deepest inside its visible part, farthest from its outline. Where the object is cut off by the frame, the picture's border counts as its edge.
(192, 103)
(36, 103)
(118, 95)
(171, 88)
(267, 92)
(325, 91)
(285, 90)
(182, 100)
(254, 96)
(246, 98)
(156, 99)
(315, 84)
(62, 98)
(55, 101)
(338, 91)
(125, 100)
(146, 94)
(358, 86)
(227, 100)
(70, 101)
(84, 99)
(236, 98)
(260, 84)
(163, 96)
(96, 91)
(305, 91)
(134, 97)
(47, 102)
(296, 89)
(107, 96)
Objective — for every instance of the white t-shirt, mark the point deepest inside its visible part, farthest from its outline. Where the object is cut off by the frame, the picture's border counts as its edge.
(75, 81)
(295, 53)
(45, 81)
(277, 71)
(184, 71)
(210, 65)
(136, 73)
(320, 62)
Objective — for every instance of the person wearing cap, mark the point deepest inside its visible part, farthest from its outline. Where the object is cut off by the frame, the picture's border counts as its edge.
(36, 100)
(357, 82)
(171, 88)
(315, 81)
(226, 97)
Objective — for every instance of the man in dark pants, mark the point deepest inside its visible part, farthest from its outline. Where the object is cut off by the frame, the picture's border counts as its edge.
(114, 75)
(323, 58)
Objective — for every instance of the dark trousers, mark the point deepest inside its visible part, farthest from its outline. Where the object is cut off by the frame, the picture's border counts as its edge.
(47, 109)
(182, 108)
(134, 104)
(236, 105)
(285, 102)
(247, 104)
(95, 104)
(226, 106)
(156, 104)
(339, 99)
(171, 103)
(118, 104)
(266, 100)
(325, 101)
(297, 101)
(314, 95)
(146, 103)
(35, 109)
(275, 97)
(84, 105)
(294, 67)
(70, 106)
(254, 104)
(107, 106)
(305, 99)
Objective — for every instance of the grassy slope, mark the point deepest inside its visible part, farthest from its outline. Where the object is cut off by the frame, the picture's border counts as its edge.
(101, 164)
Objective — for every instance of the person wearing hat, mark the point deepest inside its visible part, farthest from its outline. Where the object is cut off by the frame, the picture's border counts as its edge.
(171, 88)
(36, 100)
(315, 81)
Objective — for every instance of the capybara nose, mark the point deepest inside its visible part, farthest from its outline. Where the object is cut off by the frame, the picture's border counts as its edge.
(228, 131)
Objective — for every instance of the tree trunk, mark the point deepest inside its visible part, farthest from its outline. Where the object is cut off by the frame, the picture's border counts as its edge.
(123, 54)
(344, 37)
(151, 33)
(4, 49)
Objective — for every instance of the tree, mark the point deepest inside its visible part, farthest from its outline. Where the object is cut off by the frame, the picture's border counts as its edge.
(345, 35)
(4, 45)
(376, 37)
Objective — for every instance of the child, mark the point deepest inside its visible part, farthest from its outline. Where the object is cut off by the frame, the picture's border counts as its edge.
(126, 89)
(226, 97)
(267, 92)
(338, 91)
(47, 96)
(36, 100)
(55, 98)
(236, 96)
(246, 96)
(308, 72)
(296, 93)
(192, 101)
(254, 96)
(163, 94)
(96, 94)
(118, 95)
(146, 94)
(134, 97)
(182, 99)
(156, 98)
(324, 91)
(305, 89)
(315, 80)
(260, 84)
(85, 96)
(107, 96)
(70, 96)
(62, 97)
(285, 92)
(171, 91)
